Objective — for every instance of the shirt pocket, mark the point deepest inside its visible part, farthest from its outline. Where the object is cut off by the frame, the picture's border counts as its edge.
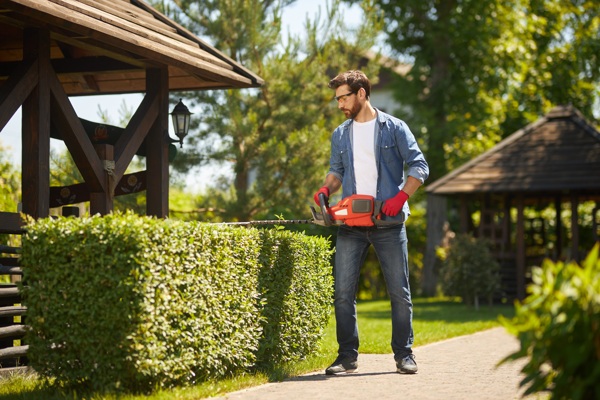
(345, 157)
(388, 152)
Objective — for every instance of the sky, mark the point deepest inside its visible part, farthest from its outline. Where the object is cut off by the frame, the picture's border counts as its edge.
(87, 107)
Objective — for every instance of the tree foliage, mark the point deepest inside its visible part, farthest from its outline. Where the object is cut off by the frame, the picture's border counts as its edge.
(558, 61)
(274, 139)
(10, 183)
(10, 190)
(483, 69)
(558, 330)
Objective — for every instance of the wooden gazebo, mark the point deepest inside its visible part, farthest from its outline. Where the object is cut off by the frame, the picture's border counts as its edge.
(552, 162)
(53, 49)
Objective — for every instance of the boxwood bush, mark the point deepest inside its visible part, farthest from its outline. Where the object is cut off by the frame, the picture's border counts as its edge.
(558, 327)
(296, 284)
(131, 303)
(470, 270)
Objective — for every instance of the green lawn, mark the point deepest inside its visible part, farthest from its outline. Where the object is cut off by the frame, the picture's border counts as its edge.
(434, 320)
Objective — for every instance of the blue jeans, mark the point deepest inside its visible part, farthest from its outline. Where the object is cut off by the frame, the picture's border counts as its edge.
(390, 245)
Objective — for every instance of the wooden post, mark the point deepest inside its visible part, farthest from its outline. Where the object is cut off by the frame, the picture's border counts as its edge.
(157, 146)
(436, 217)
(520, 239)
(559, 236)
(506, 229)
(485, 229)
(103, 202)
(35, 136)
(574, 228)
(596, 222)
(465, 216)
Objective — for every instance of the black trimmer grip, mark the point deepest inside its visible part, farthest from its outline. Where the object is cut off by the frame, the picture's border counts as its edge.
(324, 206)
(379, 216)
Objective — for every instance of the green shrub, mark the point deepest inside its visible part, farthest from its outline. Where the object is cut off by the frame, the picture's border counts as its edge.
(297, 286)
(469, 270)
(558, 326)
(131, 303)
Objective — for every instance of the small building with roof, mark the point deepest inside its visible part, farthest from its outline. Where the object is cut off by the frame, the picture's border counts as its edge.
(519, 195)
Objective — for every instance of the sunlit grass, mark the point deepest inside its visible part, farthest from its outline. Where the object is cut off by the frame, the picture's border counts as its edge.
(434, 320)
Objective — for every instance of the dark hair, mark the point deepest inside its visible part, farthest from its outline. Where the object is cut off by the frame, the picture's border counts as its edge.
(355, 79)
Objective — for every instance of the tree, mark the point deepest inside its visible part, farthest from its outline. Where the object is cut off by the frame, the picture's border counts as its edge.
(10, 184)
(10, 188)
(275, 137)
(483, 69)
(560, 64)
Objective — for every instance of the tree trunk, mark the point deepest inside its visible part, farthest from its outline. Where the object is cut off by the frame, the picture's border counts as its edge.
(436, 218)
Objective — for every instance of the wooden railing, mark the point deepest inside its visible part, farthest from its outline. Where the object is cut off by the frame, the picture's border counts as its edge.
(13, 352)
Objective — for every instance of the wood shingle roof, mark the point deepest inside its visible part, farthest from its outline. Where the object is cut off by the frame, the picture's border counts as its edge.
(104, 47)
(559, 153)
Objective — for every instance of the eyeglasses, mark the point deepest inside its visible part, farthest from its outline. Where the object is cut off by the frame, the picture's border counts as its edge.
(343, 96)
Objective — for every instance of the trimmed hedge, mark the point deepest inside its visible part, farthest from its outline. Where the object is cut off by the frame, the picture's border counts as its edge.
(131, 303)
(296, 284)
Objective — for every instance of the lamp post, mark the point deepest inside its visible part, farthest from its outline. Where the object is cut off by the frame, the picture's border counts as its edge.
(181, 121)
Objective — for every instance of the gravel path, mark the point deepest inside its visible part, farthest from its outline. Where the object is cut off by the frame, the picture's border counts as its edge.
(459, 368)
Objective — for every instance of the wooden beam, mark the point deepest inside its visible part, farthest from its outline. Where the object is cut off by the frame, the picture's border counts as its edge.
(135, 133)
(11, 223)
(16, 351)
(75, 138)
(520, 239)
(81, 65)
(16, 89)
(92, 65)
(79, 192)
(35, 134)
(103, 202)
(157, 146)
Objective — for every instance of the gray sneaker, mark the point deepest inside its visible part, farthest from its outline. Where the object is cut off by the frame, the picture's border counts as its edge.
(342, 364)
(407, 365)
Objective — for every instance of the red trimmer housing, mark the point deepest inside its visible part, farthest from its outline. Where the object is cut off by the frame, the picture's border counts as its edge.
(355, 210)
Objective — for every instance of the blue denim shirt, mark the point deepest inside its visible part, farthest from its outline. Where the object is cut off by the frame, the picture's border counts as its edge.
(395, 147)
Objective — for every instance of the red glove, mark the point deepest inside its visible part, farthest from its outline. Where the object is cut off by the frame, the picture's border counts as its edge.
(393, 206)
(325, 191)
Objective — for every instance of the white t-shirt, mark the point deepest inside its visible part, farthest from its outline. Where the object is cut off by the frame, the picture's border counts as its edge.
(365, 168)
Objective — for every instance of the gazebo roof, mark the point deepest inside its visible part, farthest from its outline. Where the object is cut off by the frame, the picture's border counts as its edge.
(104, 47)
(559, 153)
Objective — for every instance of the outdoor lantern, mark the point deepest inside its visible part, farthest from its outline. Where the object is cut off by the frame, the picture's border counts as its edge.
(181, 121)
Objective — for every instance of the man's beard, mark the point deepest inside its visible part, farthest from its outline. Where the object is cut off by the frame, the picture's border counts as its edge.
(353, 112)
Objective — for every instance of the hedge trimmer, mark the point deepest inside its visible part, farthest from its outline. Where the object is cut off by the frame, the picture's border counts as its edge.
(356, 210)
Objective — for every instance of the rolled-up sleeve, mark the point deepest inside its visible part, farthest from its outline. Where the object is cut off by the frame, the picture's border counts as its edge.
(412, 154)
(336, 163)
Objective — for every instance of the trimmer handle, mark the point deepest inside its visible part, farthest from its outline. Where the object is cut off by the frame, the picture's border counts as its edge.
(324, 209)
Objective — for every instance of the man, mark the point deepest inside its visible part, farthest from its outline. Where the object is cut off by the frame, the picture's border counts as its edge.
(368, 154)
